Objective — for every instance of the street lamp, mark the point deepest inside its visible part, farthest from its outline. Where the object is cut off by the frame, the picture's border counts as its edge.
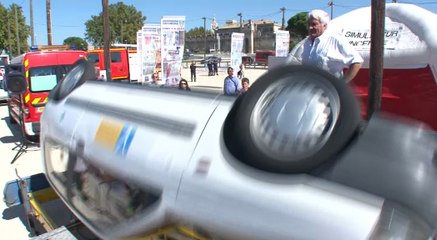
(204, 36)
(331, 4)
(16, 28)
(241, 23)
(9, 39)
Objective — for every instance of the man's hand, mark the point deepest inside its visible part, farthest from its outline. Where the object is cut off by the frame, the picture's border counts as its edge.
(352, 71)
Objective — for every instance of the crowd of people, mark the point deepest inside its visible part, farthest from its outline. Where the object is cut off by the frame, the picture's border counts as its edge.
(320, 48)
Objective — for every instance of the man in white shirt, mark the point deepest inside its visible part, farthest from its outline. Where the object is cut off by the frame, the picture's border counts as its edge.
(327, 50)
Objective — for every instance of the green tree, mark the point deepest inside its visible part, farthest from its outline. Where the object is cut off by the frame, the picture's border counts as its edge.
(297, 26)
(78, 42)
(3, 28)
(124, 22)
(197, 32)
(8, 22)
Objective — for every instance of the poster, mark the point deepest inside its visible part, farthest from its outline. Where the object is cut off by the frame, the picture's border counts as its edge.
(139, 52)
(172, 48)
(282, 43)
(151, 51)
(237, 40)
(360, 38)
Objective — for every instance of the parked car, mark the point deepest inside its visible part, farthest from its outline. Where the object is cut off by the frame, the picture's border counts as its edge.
(3, 93)
(262, 57)
(4, 60)
(187, 55)
(211, 58)
(247, 60)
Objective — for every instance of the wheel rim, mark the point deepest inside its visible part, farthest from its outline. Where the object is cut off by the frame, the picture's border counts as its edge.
(295, 116)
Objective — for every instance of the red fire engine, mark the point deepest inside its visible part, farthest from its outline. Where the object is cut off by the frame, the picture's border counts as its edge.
(43, 70)
(124, 62)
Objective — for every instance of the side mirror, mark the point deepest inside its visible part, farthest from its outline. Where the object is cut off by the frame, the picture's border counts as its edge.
(15, 82)
(14, 68)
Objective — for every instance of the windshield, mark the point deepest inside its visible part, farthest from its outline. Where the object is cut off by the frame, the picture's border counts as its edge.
(3, 61)
(93, 57)
(42, 79)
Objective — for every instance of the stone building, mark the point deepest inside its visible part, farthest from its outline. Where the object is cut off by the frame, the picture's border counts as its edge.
(258, 35)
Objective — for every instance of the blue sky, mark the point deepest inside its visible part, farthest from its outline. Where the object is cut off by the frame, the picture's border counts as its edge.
(69, 17)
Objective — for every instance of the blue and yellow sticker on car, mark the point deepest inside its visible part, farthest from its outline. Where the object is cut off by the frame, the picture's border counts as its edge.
(115, 136)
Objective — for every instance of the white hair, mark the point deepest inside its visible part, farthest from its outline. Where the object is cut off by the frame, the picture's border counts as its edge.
(320, 15)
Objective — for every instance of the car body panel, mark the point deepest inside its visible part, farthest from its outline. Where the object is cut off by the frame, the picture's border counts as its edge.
(130, 160)
(183, 155)
(284, 205)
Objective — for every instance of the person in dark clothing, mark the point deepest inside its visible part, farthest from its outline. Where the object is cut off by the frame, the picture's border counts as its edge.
(215, 67)
(210, 73)
(193, 71)
(183, 85)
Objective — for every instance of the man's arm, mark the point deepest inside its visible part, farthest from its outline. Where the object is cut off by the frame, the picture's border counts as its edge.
(352, 71)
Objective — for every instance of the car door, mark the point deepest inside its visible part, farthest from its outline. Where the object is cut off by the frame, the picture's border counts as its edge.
(119, 65)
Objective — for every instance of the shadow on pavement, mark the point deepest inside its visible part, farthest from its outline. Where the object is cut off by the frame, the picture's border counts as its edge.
(15, 130)
(19, 212)
(22, 145)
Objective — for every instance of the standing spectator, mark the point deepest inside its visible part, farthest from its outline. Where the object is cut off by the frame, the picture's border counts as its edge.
(326, 50)
(215, 67)
(231, 84)
(209, 63)
(183, 85)
(193, 72)
(155, 80)
(245, 85)
(240, 73)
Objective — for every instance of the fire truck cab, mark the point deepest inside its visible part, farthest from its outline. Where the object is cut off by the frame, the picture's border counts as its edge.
(123, 63)
(42, 70)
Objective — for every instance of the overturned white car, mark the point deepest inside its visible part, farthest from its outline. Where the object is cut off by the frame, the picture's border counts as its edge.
(290, 159)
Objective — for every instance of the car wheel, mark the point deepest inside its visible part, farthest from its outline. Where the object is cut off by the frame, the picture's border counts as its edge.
(291, 120)
(81, 72)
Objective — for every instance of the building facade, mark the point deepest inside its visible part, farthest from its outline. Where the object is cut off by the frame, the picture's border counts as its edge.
(258, 35)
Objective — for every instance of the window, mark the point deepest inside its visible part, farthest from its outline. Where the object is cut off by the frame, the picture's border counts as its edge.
(103, 199)
(115, 57)
(93, 57)
(3, 61)
(43, 79)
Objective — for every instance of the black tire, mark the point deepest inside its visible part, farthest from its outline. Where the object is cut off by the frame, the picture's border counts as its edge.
(73, 79)
(240, 142)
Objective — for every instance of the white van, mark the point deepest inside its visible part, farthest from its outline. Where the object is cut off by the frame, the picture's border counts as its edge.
(4, 60)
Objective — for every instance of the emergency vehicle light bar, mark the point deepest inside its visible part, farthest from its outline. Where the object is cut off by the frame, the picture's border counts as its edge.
(52, 47)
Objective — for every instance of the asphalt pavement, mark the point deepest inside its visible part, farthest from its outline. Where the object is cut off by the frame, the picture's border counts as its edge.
(216, 82)
(13, 222)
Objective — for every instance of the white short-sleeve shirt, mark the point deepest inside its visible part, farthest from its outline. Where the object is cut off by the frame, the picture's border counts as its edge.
(329, 52)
